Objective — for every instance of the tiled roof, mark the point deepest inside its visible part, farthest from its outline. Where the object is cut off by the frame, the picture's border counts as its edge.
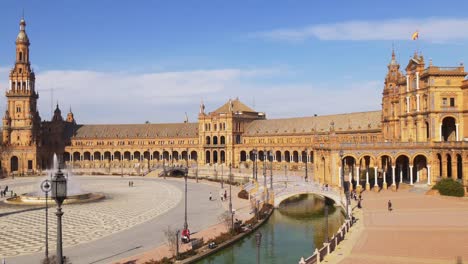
(342, 122)
(136, 130)
(237, 106)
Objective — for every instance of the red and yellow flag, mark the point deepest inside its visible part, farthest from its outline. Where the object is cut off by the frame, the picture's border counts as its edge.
(415, 35)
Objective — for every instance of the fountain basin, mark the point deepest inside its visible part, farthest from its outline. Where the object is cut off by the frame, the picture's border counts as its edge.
(34, 199)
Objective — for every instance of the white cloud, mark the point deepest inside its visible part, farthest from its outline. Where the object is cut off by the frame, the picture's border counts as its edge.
(119, 97)
(430, 29)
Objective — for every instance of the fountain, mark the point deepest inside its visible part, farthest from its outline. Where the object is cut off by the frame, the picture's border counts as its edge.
(75, 195)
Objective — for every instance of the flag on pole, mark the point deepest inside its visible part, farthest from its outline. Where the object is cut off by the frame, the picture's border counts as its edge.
(415, 35)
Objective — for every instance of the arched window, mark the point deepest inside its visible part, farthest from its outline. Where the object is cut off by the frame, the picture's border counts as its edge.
(223, 140)
(215, 141)
(20, 56)
(208, 140)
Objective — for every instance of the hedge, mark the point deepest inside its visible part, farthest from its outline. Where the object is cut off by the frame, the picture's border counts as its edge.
(450, 187)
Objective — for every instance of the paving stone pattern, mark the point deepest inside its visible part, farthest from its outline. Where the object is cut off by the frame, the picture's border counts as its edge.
(124, 207)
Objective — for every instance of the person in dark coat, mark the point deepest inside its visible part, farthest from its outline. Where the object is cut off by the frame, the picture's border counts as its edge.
(390, 206)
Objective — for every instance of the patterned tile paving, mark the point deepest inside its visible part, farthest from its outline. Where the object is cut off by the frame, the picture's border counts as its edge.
(123, 208)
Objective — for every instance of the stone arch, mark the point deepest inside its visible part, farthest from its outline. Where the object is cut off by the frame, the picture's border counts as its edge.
(126, 155)
(449, 130)
(420, 168)
(175, 155)
(278, 156)
(117, 155)
(459, 167)
(449, 165)
(243, 156)
(194, 155)
(184, 155)
(97, 155)
(136, 155)
(287, 156)
(146, 155)
(86, 155)
(261, 155)
(295, 156)
(304, 156)
(215, 140)
(222, 156)
(439, 159)
(208, 140)
(14, 163)
(215, 156)
(252, 155)
(207, 157)
(76, 156)
(165, 155)
(386, 162)
(156, 155)
(402, 169)
(107, 155)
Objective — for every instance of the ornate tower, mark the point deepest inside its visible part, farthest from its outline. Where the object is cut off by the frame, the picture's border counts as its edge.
(21, 122)
(390, 102)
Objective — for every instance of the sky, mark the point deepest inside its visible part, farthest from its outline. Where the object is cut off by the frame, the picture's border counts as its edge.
(134, 61)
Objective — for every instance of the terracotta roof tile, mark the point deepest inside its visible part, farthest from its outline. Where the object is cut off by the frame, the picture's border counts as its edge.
(136, 130)
(341, 122)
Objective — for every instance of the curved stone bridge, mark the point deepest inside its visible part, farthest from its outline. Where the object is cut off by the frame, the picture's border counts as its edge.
(284, 188)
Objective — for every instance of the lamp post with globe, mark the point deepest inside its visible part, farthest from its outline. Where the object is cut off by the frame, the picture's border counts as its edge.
(45, 187)
(59, 194)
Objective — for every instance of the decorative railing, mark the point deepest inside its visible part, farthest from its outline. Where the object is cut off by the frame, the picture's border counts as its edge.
(328, 247)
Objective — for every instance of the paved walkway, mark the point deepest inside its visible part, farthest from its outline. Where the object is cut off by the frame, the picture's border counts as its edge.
(420, 229)
(242, 212)
(128, 221)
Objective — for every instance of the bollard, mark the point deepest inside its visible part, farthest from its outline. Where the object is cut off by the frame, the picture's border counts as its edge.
(317, 253)
(302, 261)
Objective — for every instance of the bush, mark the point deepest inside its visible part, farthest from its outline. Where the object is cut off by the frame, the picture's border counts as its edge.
(243, 195)
(449, 187)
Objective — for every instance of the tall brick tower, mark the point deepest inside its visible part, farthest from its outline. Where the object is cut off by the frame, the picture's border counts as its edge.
(21, 123)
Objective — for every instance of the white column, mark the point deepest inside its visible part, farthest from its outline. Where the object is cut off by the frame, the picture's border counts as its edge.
(384, 175)
(401, 173)
(308, 158)
(417, 80)
(375, 176)
(11, 85)
(299, 158)
(393, 175)
(417, 102)
(339, 175)
(428, 174)
(456, 126)
(417, 174)
(367, 176)
(407, 104)
(407, 83)
(189, 157)
(440, 132)
(411, 174)
(357, 176)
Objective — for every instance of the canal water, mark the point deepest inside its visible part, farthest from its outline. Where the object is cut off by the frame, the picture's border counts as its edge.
(293, 230)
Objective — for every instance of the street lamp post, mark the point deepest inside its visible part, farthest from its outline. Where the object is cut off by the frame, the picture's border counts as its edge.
(230, 198)
(344, 184)
(149, 166)
(326, 223)
(177, 244)
(45, 186)
(264, 170)
(286, 174)
(258, 239)
(271, 170)
(164, 164)
(255, 165)
(185, 216)
(59, 194)
(306, 174)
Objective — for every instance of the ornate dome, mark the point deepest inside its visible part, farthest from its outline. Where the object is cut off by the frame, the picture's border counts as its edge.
(22, 36)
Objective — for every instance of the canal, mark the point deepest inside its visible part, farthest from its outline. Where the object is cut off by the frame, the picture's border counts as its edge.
(294, 230)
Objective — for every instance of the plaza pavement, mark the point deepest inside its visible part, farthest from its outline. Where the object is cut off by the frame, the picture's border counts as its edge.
(242, 212)
(131, 220)
(421, 229)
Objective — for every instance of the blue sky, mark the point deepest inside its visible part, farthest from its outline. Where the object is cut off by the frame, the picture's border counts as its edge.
(122, 62)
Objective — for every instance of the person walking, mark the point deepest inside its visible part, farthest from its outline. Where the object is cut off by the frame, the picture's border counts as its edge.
(390, 206)
(211, 197)
(359, 204)
(225, 195)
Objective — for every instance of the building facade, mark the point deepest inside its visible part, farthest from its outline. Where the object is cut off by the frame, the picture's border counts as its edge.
(418, 136)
